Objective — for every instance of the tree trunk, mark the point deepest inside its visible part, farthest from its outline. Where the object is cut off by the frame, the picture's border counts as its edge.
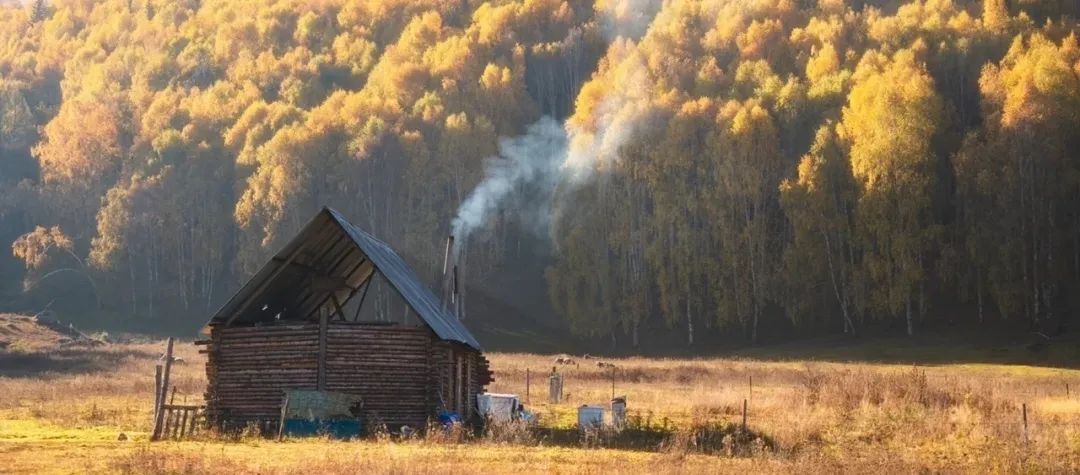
(209, 287)
(754, 324)
(922, 299)
(689, 324)
(979, 294)
(910, 329)
(841, 298)
(150, 284)
(1076, 248)
(849, 327)
(131, 273)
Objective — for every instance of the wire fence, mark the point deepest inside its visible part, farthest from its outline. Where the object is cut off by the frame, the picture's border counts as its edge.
(1015, 414)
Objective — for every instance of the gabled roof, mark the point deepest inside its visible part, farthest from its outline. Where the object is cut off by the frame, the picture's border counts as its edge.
(340, 252)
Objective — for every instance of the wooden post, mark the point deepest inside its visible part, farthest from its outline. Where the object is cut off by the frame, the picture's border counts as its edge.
(160, 416)
(526, 385)
(555, 387)
(1066, 390)
(321, 381)
(613, 382)
(1024, 409)
(744, 415)
(157, 390)
(470, 401)
(284, 413)
(460, 378)
(168, 423)
(183, 423)
(172, 398)
(194, 417)
(172, 424)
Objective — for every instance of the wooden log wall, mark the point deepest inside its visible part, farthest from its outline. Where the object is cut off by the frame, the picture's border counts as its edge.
(404, 375)
(385, 365)
(248, 369)
(474, 375)
(480, 377)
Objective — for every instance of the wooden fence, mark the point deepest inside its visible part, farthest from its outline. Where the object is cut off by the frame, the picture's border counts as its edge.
(180, 421)
(173, 421)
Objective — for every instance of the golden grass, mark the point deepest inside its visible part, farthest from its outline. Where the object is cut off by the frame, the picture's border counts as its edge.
(823, 417)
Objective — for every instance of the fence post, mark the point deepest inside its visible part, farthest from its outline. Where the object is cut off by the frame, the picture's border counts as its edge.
(613, 382)
(194, 418)
(1066, 390)
(284, 414)
(160, 414)
(744, 415)
(527, 386)
(157, 390)
(183, 424)
(1024, 409)
(555, 387)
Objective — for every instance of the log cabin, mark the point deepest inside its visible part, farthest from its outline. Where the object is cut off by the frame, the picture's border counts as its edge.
(338, 310)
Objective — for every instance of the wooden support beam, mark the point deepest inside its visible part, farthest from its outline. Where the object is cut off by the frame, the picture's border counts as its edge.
(312, 229)
(264, 284)
(320, 382)
(367, 285)
(310, 315)
(459, 394)
(298, 303)
(302, 303)
(300, 265)
(329, 283)
(468, 386)
(337, 305)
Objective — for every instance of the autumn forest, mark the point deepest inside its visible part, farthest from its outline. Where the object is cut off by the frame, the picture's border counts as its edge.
(741, 169)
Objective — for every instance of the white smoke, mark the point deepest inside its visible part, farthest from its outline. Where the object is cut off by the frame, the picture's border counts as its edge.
(535, 158)
(620, 115)
(552, 156)
(626, 18)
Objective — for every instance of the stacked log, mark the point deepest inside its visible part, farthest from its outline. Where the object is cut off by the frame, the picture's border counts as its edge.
(404, 375)
(441, 376)
(387, 366)
(250, 368)
(445, 356)
(482, 375)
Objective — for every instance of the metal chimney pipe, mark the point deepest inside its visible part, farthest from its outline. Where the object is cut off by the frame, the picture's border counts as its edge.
(446, 255)
(446, 292)
(454, 296)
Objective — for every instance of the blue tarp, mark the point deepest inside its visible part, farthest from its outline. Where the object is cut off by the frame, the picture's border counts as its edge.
(335, 428)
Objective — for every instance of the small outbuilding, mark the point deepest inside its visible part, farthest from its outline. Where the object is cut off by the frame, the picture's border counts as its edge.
(338, 310)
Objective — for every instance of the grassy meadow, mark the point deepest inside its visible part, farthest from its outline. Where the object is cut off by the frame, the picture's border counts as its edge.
(62, 410)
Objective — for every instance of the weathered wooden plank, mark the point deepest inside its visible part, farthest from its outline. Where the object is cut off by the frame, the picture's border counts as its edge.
(159, 420)
(321, 381)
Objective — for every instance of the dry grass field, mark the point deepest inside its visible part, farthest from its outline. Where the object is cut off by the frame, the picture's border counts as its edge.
(63, 407)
